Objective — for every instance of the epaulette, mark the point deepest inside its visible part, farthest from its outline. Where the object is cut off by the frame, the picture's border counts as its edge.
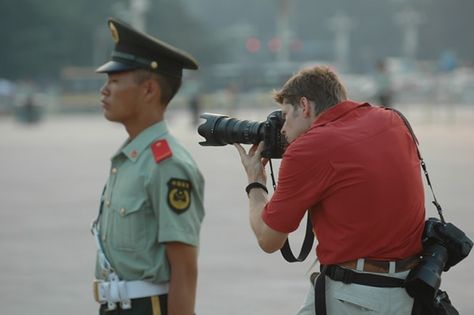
(161, 150)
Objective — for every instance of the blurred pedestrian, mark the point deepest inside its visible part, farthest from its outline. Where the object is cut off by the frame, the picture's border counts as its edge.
(147, 229)
(29, 111)
(232, 97)
(195, 108)
(383, 83)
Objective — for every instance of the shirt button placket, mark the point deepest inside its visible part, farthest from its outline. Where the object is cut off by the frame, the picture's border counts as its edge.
(113, 173)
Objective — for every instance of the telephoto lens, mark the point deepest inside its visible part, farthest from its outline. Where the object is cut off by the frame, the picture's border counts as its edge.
(219, 130)
(424, 280)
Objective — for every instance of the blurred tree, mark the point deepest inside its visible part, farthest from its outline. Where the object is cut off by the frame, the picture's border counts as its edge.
(168, 20)
(447, 27)
(39, 38)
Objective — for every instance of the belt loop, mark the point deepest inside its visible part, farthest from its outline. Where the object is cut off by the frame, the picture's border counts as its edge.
(391, 267)
(125, 302)
(113, 291)
(360, 264)
(155, 305)
(108, 296)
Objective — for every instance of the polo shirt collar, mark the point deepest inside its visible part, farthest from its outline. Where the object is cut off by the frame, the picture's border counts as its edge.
(336, 112)
(133, 149)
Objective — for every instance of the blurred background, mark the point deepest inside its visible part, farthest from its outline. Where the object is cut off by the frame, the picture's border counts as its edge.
(49, 49)
(414, 55)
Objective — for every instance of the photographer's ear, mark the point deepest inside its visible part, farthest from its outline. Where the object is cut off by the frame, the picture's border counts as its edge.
(306, 106)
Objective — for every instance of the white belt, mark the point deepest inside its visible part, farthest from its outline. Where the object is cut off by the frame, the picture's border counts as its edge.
(112, 292)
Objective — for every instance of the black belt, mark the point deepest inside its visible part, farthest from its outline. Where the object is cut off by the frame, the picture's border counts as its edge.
(145, 305)
(347, 276)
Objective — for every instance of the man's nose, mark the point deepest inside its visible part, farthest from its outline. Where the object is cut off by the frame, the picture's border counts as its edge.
(104, 90)
(282, 131)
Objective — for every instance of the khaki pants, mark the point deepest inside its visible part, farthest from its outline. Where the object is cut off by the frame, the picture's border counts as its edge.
(354, 299)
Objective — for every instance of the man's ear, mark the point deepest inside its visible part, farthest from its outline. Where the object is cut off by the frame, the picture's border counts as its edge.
(306, 106)
(151, 89)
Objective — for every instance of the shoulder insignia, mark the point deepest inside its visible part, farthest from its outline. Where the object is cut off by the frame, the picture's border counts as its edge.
(179, 194)
(161, 150)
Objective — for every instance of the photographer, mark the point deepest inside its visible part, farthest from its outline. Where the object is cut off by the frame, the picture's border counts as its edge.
(354, 168)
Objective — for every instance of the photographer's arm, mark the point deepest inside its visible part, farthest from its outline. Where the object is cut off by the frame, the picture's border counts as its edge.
(268, 239)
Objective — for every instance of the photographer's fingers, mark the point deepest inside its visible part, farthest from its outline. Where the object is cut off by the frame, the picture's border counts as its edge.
(253, 162)
(253, 150)
(240, 149)
(244, 157)
(259, 149)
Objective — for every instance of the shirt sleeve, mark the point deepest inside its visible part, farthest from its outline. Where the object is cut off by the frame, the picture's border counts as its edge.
(177, 200)
(303, 178)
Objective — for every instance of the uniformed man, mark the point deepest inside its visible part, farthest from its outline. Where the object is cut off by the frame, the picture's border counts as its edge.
(147, 230)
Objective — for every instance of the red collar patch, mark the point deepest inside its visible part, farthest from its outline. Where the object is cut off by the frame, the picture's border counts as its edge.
(161, 150)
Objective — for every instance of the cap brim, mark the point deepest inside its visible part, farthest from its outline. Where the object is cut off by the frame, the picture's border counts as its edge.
(114, 66)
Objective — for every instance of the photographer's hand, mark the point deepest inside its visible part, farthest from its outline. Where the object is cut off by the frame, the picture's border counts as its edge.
(253, 163)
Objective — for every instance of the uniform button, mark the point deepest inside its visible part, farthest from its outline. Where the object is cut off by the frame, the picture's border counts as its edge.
(104, 237)
(107, 203)
(122, 212)
(114, 170)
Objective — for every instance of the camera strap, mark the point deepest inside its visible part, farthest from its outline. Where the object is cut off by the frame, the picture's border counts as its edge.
(308, 241)
(305, 247)
(422, 162)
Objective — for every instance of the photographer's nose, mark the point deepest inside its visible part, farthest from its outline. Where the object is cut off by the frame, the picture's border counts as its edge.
(283, 131)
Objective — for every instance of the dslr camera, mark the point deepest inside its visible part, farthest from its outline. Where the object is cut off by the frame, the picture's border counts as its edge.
(219, 130)
(444, 245)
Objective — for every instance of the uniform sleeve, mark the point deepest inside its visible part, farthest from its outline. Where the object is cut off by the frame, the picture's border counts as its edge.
(177, 199)
(301, 183)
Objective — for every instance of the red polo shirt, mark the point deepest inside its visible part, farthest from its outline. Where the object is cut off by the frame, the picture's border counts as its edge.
(358, 172)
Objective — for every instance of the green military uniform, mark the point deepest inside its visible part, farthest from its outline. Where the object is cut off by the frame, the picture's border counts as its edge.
(151, 197)
(154, 193)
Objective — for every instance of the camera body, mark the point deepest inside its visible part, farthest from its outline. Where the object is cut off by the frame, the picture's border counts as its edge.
(444, 245)
(219, 130)
(456, 242)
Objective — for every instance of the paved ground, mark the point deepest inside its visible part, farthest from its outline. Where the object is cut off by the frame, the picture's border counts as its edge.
(51, 176)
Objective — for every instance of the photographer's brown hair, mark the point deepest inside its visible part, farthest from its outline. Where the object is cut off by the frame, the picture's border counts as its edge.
(318, 84)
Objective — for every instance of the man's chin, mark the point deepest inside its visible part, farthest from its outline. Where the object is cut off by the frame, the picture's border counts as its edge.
(108, 116)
